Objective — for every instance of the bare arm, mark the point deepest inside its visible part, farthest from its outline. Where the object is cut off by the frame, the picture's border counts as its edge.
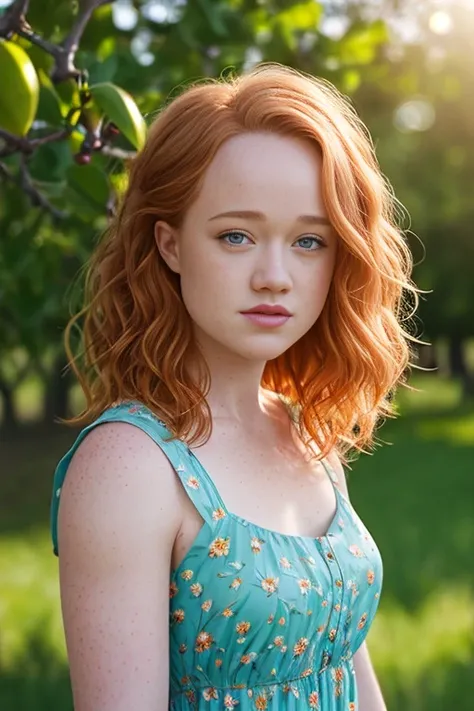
(370, 694)
(118, 519)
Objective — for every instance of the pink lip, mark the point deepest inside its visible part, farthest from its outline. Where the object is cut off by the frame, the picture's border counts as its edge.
(266, 320)
(268, 309)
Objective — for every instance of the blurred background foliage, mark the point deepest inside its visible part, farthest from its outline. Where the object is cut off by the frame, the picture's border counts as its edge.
(409, 70)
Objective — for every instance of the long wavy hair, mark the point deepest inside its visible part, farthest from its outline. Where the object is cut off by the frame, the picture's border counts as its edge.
(136, 336)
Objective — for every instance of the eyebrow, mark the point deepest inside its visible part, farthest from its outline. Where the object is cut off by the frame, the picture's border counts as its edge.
(306, 219)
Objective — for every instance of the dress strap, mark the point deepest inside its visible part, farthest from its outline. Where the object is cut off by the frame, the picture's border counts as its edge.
(330, 472)
(196, 482)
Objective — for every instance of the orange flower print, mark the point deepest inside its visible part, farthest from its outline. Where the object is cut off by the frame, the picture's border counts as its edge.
(193, 483)
(278, 641)
(370, 577)
(305, 585)
(196, 589)
(218, 513)
(362, 621)
(352, 706)
(338, 691)
(256, 544)
(242, 627)
(307, 672)
(173, 589)
(227, 612)
(313, 700)
(229, 702)
(300, 646)
(204, 641)
(332, 635)
(178, 616)
(236, 583)
(191, 696)
(339, 583)
(187, 574)
(206, 605)
(183, 648)
(247, 658)
(284, 562)
(218, 663)
(270, 585)
(261, 703)
(338, 674)
(330, 556)
(356, 551)
(281, 621)
(219, 547)
(209, 694)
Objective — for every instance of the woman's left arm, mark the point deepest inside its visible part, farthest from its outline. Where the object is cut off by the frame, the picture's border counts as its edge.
(370, 695)
(369, 692)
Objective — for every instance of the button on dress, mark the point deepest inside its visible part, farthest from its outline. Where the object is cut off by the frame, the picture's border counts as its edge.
(258, 620)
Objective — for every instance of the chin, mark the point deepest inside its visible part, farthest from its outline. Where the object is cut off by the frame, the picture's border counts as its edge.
(263, 352)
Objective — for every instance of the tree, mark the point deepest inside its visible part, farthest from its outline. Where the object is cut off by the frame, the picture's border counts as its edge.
(66, 136)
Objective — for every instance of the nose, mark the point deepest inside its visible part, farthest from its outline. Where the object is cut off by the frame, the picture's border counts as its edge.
(271, 270)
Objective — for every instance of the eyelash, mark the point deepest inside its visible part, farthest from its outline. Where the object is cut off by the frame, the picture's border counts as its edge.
(319, 241)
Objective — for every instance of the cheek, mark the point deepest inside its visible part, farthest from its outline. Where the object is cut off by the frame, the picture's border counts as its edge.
(205, 282)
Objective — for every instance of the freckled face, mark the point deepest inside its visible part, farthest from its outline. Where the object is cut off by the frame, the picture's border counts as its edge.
(276, 248)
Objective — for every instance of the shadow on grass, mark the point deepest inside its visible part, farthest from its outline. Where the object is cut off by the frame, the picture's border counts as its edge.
(29, 458)
(38, 681)
(416, 497)
(447, 687)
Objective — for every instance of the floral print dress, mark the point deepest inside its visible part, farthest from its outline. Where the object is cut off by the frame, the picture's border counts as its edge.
(258, 620)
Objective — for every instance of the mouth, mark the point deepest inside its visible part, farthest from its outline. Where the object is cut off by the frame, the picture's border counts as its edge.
(267, 310)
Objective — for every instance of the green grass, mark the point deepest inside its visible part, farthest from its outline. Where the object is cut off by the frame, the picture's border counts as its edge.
(416, 496)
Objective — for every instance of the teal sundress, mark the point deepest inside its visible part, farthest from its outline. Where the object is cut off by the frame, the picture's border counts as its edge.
(258, 619)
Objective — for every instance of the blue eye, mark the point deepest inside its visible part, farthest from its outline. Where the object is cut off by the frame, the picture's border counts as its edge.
(311, 243)
(228, 237)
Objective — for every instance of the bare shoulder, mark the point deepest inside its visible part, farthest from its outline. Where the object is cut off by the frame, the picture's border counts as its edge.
(118, 520)
(118, 475)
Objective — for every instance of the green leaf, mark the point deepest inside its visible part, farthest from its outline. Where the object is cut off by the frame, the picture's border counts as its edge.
(122, 110)
(212, 14)
(361, 43)
(302, 16)
(20, 89)
(90, 183)
(49, 107)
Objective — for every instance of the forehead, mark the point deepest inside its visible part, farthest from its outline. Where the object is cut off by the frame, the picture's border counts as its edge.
(264, 171)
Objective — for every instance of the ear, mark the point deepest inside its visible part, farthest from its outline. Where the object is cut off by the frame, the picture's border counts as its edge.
(166, 239)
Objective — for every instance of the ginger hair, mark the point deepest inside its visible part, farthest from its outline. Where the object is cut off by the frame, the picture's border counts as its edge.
(136, 335)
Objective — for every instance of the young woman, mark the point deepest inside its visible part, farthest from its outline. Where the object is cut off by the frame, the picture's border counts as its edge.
(242, 333)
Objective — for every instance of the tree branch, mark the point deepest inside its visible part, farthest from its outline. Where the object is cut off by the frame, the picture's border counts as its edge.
(64, 67)
(113, 152)
(37, 199)
(64, 54)
(25, 182)
(13, 18)
(28, 145)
